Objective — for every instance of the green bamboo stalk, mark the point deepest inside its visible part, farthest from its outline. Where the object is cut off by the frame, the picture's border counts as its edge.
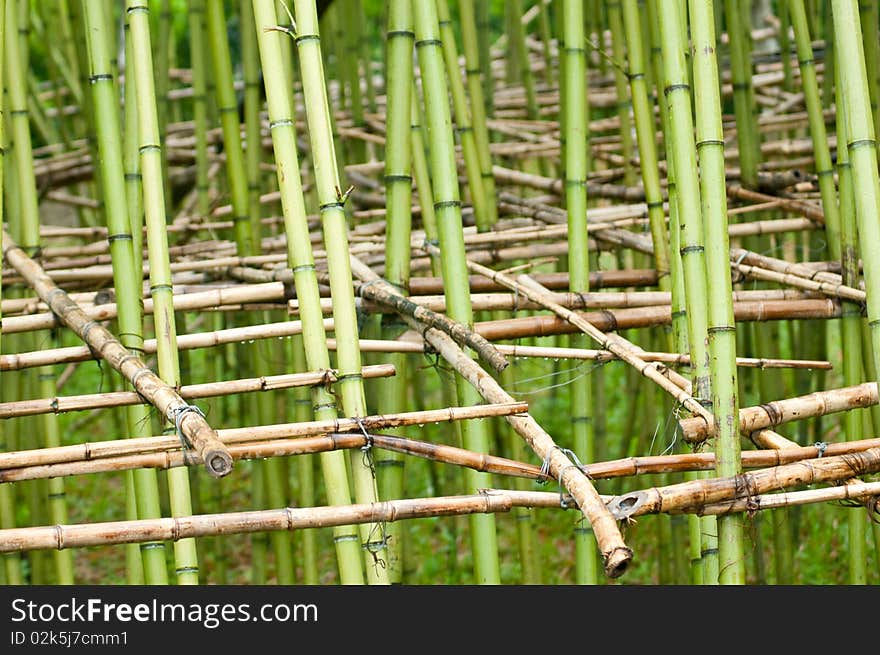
(784, 17)
(301, 261)
(481, 18)
(851, 326)
(131, 160)
(421, 176)
(474, 73)
(197, 49)
(573, 95)
(333, 221)
(305, 470)
(645, 131)
(127, 278)
(351, 31)
(721, 326)
(138, 13)
(236, 175)
(868, 15)
(462, 116)
(272, 475)
(743, 91)
(622, 88)
(56, 501)
(392, 393)
(821, 151)
(28, 221)
(447, 207)
(12, 561)
(681, 151)
(862, 149)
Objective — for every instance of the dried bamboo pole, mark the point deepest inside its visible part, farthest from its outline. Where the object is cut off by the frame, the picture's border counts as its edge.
(777, 412)
(569, 300)
(615, 554)
(234, 295)
(460, 333)
(285, 448)
(615, 344)
(289, 518)
(489, 500)
(621, 319)
(61, 404)
(694, 494)
(191, 424)
(185, 342)
(234, 436)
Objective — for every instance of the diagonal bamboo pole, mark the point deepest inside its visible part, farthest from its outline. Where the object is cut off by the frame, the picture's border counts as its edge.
(615, 553)
(191, 424)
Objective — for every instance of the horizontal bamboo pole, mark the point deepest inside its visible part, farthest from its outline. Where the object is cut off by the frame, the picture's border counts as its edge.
(621, 319)
(61, 404)
(231, 295)
(288, 518)
(423, 285)
(243, 334)
(692, 495)
(865, 493)
(232, 436)
(569, 300)
(683, 462)
(514, 350)
(777, 412)
(284, 448)
(189, 421)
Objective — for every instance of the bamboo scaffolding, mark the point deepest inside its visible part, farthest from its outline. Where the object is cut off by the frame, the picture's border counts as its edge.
(191, 424)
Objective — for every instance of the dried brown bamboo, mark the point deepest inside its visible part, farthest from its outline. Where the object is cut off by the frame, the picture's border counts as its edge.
(184, 342)
(616, 344)
(513, 350)
(426, 317)
(777, 412)
(567, 299)
(423, 285)
(621, 319)
(229, 295)
(615, 553)
(232, 436)
(706, 461)
(694, 494)
(188, 419)
(61, 404)
(288, 518)
(285, 448)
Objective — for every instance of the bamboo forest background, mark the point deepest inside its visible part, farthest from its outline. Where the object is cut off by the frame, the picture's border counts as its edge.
(429, 292)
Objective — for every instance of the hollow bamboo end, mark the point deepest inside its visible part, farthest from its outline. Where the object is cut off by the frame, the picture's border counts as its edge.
(218, 462)
(618, 561)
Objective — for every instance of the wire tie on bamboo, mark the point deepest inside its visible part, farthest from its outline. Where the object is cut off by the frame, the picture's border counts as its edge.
(176, 414)
(367, 448)
(820, 446)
